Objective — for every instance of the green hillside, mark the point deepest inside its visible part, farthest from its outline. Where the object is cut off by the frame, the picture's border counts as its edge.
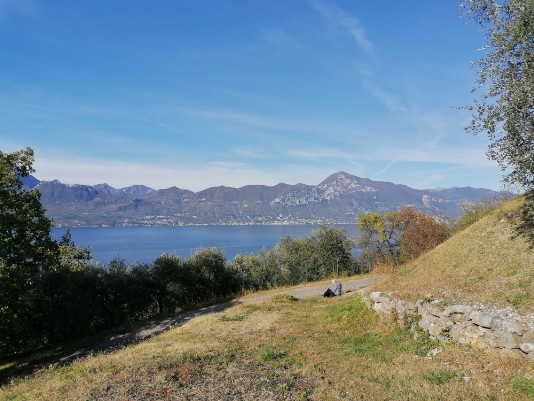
(485, 262)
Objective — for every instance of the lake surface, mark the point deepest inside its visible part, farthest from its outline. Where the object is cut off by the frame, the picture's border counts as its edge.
(145, 244)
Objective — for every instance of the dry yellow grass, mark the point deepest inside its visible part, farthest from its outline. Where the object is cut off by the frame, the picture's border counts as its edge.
(485, 262)
(315, 349)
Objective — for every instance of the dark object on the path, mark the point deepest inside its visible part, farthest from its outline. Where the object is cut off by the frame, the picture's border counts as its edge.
(334, 291)
(329, 293)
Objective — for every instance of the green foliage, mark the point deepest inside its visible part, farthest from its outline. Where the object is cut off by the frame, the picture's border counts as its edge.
(525, 225)
(473, 212)
(397, 236)
(325, 253)
(269, 353)
(505, 109)
(446, 331)
(520, 299)
(524, 385)
(440, 377)
(26, 252)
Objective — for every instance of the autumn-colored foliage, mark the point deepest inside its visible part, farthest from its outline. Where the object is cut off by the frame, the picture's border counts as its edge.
(420, 233)
(398, 236)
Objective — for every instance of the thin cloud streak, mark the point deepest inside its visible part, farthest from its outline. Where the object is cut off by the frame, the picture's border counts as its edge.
(389, 101)
(336, 16)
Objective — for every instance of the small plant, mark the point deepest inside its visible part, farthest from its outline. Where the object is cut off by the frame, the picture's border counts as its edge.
(269, 353)
(446, 332)
(440, 377)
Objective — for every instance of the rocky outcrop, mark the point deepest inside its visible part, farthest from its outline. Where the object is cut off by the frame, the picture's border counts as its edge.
(466, 323)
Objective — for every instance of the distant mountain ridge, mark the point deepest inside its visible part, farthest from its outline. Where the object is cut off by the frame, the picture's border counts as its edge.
(339, 199)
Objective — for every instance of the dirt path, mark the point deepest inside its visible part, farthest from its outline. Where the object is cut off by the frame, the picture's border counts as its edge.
(123, 340)
(316, 290)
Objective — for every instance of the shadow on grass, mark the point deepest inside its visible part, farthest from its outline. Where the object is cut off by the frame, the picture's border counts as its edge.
(99, 344)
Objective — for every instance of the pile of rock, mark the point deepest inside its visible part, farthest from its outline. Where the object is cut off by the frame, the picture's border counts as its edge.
(466, 323)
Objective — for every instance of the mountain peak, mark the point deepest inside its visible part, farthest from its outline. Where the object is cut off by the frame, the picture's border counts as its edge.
(339, 177)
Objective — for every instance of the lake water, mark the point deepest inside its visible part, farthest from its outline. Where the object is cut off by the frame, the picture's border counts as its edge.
(145, 244)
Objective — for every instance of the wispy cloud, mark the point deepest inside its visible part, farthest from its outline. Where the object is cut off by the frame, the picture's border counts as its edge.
(453, 156)
(386, 168)
(388, 100)
(319, 154)
(279, 123)
(340, 18)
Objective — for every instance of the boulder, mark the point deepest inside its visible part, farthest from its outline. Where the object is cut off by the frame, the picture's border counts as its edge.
(503, 339)
(506, 324)
(481, 318)
(527, 348)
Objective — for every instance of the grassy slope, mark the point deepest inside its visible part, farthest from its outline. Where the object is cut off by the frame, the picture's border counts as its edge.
(312, 349)
(322, 349)
(482, 263)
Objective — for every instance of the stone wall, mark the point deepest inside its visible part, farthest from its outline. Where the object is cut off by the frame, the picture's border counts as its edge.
(466, 323)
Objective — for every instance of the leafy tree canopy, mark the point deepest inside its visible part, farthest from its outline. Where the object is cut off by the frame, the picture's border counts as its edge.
(505, 110)
(24, 229)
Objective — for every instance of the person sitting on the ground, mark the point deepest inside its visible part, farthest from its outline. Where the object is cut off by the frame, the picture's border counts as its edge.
(333, 291)
(336, 287)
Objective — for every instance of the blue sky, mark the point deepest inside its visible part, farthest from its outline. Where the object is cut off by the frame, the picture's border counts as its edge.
(235, 92)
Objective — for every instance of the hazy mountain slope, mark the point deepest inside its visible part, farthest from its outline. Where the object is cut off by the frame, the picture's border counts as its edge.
(340, 198)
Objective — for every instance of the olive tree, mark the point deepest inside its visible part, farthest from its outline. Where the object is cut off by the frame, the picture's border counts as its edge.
(505, 109)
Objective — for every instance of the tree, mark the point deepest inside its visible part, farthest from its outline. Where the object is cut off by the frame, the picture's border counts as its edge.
(212, 278)
(420, 233)
(379, 237)
(332, 249)
(26, 252)
(398, 236)
(24, 229)
(505, 110)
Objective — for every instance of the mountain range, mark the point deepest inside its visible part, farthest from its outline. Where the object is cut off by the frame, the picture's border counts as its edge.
(339, 199)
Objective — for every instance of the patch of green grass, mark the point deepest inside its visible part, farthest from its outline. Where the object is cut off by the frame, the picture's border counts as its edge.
(511, 273)
(236, 318)
(525, 386)
(112, 368)
(284, 298)
(269, 353)
(520, 299)
(385, 347)
(440, 377)
(312, 301)
(350, 313)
